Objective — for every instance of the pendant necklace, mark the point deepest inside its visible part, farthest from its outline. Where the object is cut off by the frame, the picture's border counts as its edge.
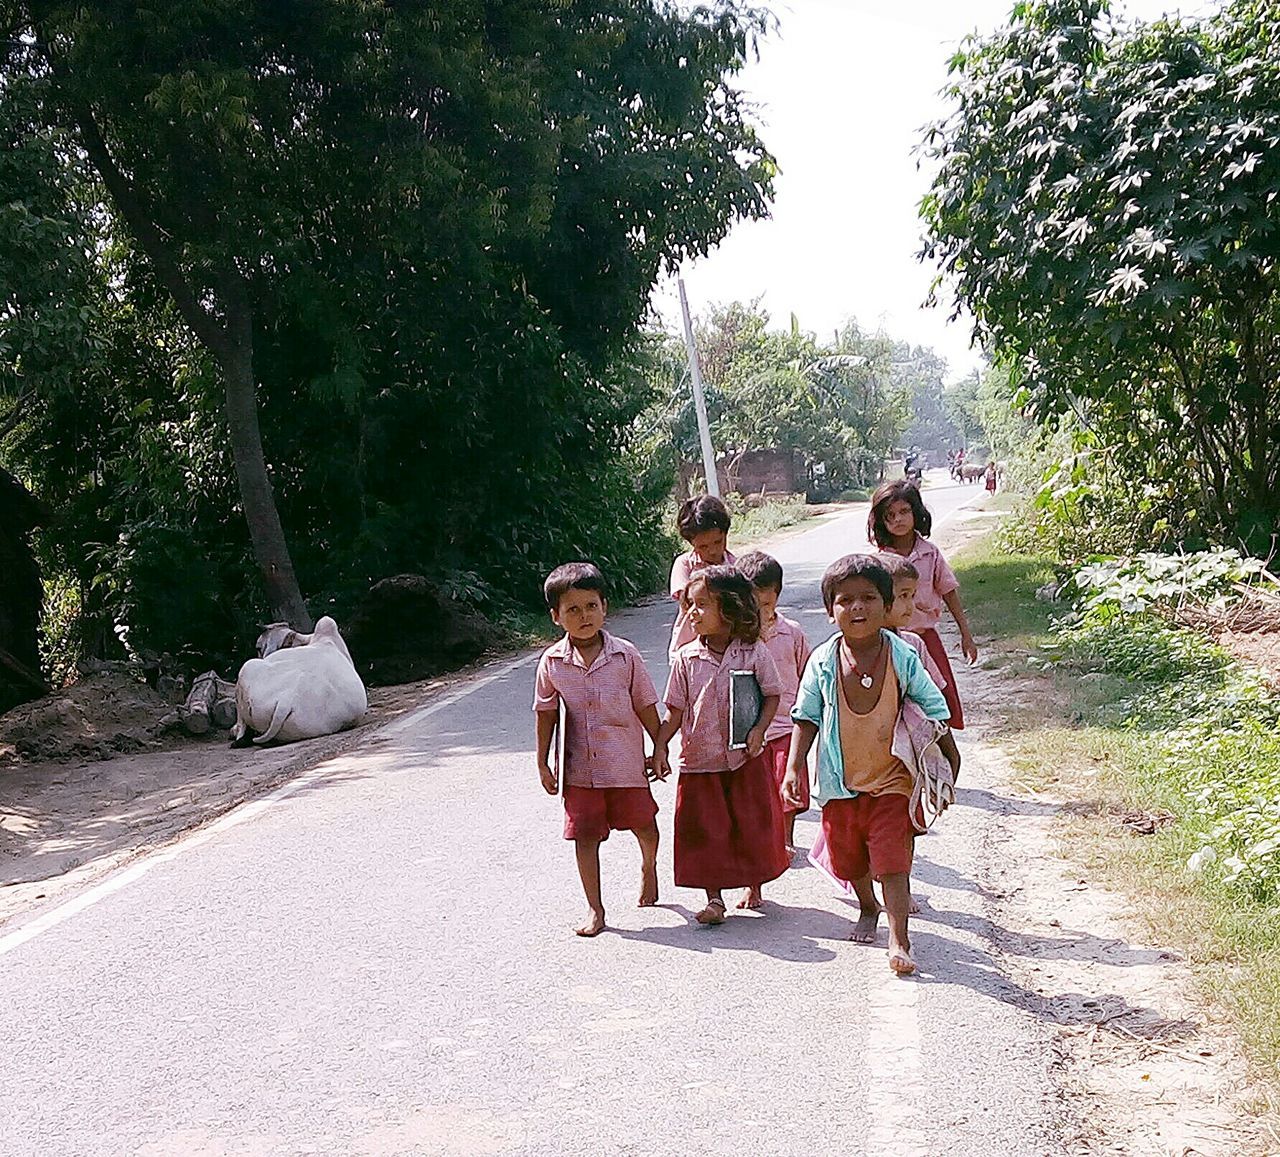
(867, 679)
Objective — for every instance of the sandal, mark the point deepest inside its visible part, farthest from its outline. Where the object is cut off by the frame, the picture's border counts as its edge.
(713, 913)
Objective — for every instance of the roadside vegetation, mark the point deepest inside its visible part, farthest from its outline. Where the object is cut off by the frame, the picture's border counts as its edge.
(1167, 747)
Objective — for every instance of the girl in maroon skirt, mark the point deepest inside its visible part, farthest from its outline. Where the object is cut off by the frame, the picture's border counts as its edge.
(900, 523)
(728, 823)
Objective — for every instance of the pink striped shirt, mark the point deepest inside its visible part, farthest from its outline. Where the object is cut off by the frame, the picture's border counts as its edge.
(789, 650)
(929, 665)
(937, 580)
(604, 736)
(699, 687)
(682, 572)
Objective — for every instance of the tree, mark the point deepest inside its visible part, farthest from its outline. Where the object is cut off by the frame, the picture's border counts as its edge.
(290, 173)
(1104, 205)
(414, 244)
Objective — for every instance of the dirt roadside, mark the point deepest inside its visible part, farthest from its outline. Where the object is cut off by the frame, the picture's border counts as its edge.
(1144, 1066)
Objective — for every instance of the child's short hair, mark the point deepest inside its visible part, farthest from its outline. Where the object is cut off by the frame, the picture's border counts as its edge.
(737, 599)
(900, 569)
(698, 515)
(763, 571)
(888, 493)
(585, 576)
(864, 566)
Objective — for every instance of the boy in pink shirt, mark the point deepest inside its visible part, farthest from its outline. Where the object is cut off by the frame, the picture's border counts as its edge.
(786, 643)
(609, 703)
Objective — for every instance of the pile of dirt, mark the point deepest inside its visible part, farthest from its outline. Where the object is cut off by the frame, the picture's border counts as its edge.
(102, 715)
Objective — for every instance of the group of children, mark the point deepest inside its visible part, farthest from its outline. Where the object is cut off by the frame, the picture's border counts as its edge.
(736, 807)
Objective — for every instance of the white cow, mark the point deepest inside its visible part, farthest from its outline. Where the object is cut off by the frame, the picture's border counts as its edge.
(306, 689)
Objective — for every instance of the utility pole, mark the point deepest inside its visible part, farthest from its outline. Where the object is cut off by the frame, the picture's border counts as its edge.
(699, 402)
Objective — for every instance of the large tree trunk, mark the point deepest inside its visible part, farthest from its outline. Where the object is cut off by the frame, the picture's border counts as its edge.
(265, 531)
(230, 340)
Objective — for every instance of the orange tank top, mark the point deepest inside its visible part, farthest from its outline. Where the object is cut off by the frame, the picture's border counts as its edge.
(866, 742)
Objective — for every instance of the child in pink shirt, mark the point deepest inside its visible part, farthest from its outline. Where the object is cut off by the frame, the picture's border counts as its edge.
(728, 823)
(785, 640)
(899, 523)
(609, 703)
(703, 523)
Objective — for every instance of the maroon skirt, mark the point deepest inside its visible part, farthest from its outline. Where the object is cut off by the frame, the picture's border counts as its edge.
(728, 828)
(933, 641)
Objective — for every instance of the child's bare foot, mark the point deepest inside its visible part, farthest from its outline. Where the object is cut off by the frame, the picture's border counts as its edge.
(913, 909)
(900, 957)
(753, 898)
(594, 925)
(648, 889)
(864, 931)
(713, 913)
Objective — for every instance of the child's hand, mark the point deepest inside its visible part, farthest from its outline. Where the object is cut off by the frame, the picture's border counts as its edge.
(550, 784)
(659, 765)
(969, 648)
(755, 742)
(791, 788)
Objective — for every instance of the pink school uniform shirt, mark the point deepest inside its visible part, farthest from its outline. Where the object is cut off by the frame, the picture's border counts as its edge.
(699, 687)
(789, 650)
(937, 580)
(929, 665)
(604, 744)
(682, 572)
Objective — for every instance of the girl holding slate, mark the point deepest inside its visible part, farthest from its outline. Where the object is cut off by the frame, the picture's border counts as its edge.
(728, 822)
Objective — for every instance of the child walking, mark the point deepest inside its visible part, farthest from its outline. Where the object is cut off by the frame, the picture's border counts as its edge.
(703, 523)
(789, 649)
(900, 523)
(905, 579)
(609, 703)
(851, 692)
(728, 823)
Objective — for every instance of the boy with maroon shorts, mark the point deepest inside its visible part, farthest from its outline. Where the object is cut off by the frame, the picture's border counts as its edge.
(609, 703)
(851, 692)
(786, 643)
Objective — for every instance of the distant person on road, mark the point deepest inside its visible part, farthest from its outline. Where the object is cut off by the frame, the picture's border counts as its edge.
(728, 822)
(703, 523)
(900, 523)
(609, 703)
(852, 694)
(789, 648)
(990, 477)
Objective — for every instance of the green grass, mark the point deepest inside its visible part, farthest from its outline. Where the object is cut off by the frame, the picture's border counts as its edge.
(751, 525)
(1143, 717)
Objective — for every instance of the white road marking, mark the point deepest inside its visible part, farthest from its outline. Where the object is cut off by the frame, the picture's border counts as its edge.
(117, 881)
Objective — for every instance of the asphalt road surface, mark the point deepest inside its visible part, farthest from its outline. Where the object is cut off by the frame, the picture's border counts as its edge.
(379, 960)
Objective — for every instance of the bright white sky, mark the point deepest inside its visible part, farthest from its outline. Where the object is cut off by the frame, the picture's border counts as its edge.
(843, 89)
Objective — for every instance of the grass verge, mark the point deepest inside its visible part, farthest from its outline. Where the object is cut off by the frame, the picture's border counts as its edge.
(1146, 718)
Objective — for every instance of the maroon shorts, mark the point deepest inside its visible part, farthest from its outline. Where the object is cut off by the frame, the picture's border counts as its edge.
(728, 828)
(590, 813)
(938, 653)
(869, 833)
(775, 755)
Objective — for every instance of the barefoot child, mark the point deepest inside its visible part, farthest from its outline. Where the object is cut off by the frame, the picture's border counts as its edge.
(728, 824)
(789, 649)
(905, 580)
(900, 523)
(703, 523)
(851, 693)
(609, 703)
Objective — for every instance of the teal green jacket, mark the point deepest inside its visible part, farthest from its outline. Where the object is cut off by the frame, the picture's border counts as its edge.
(817, 699)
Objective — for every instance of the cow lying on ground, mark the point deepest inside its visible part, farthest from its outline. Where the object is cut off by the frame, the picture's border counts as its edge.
(302, 688)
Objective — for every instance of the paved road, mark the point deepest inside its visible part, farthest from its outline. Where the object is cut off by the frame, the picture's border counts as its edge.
(381, 963)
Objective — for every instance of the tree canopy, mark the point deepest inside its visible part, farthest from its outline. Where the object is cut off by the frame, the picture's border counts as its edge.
(1104, 205)
(422, 236)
